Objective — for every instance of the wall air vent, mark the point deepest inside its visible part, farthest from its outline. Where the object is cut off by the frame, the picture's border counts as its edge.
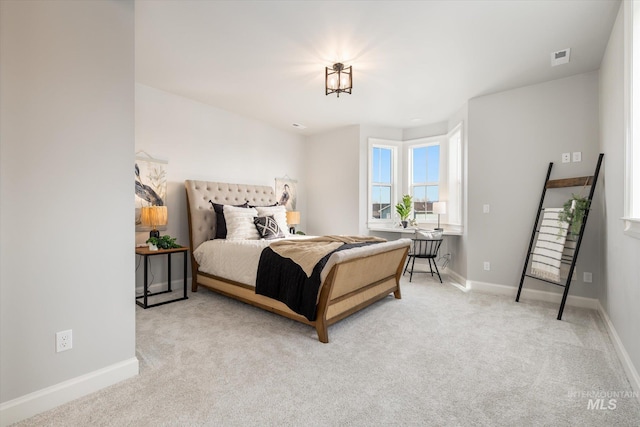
(560, 57)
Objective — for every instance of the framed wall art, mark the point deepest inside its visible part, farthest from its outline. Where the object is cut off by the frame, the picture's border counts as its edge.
(286, 192)
(150, 186)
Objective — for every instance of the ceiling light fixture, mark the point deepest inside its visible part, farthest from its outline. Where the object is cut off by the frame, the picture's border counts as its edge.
(338, 79)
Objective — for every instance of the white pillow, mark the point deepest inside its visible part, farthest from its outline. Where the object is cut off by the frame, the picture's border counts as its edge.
(240, 224)
(431, 235)
(279, 213)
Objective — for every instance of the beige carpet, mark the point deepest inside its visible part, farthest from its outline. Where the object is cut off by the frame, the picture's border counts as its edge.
(437, 357)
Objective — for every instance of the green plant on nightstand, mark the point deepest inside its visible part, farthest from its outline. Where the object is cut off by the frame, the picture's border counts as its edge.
(163, 242)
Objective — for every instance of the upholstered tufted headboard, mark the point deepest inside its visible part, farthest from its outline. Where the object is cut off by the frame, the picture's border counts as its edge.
(202, 218)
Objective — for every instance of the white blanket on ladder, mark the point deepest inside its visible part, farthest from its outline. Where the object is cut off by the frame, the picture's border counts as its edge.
(547, 253)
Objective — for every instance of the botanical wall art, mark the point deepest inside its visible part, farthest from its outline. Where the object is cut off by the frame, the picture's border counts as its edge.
(150, 185)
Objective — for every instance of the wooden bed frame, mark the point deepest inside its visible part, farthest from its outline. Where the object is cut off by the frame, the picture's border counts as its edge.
(351, 285)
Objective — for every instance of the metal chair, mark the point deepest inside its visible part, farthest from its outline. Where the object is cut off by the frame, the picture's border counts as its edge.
(423, 249)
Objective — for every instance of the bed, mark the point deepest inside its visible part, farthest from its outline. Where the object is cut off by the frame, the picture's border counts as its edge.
(350, 281)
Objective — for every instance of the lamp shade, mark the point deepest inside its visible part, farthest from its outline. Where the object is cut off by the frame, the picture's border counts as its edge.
(293, 217)
(153, 216)
(440, 208)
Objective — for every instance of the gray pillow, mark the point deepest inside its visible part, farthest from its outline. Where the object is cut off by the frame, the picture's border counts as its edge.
(268, 227)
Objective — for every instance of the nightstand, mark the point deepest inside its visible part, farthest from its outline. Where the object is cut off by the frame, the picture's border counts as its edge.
(145, 253)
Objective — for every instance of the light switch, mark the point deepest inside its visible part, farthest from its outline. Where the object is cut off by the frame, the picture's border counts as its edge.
(577, 156)
(566, 157)
(485, 208)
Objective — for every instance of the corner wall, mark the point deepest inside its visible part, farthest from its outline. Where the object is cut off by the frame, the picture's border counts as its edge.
(66, 245)
(331, 163)
(512, 137)
(207, 143)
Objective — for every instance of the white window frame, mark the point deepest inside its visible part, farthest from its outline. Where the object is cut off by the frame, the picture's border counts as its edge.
(451, 185)
(450, 179)
(394, 146)
(631, 219)
(419, 143)
(454, 159)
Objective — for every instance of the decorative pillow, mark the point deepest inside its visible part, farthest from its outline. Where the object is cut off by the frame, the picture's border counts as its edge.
(221, 224)
(279, 213)
(268, 227)
(240, 224)
(431, 235)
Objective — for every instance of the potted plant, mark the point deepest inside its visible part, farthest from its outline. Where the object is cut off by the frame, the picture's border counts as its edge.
(164, 242)
(404, 209)
(573, 212)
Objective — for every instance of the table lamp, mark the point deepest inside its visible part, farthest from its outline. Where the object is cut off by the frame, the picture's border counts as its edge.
(439, 208)
(293, 219)
(153, 216)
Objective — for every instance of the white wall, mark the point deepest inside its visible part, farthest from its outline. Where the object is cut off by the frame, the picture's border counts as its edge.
(207, 143)
(426, 131)
(331, 172)
(619, 293)
(512, 137)
(66, 245)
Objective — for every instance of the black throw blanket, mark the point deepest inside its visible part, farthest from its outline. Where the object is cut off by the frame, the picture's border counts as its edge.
(282, 279)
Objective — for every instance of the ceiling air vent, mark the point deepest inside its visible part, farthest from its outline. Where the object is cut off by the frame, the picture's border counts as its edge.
(560, 57)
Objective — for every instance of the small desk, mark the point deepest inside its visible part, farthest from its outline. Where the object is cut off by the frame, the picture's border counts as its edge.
(144, 252)
(412, 230)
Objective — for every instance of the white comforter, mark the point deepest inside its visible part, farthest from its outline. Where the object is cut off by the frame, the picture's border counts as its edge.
(238, 260)
(235, 260)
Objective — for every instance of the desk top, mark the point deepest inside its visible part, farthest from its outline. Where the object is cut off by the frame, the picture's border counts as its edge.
(411, 230)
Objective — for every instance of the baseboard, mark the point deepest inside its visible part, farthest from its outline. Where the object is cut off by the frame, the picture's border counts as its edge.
(625, 360)
(534, 294)
(39, 401)
(457, 280)
(176, 285)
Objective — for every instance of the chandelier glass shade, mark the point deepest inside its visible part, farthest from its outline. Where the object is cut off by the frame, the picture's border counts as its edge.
(338, 79)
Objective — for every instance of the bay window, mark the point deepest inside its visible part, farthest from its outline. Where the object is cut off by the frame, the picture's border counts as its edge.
(431, 172)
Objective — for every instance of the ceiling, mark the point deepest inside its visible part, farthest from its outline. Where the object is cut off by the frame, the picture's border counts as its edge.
(414, 62)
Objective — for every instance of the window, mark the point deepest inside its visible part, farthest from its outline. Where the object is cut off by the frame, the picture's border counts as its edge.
(632, 117)
(436, 175)
(383, 168)
(424, 183)
(429, 169)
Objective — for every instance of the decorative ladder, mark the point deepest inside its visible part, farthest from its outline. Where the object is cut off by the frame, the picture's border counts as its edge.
(561, 183)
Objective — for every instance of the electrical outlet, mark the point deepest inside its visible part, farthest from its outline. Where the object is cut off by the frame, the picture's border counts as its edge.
(487, 266)
(566, 157)
(577, 156)
(64, 341)
(587, 277)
